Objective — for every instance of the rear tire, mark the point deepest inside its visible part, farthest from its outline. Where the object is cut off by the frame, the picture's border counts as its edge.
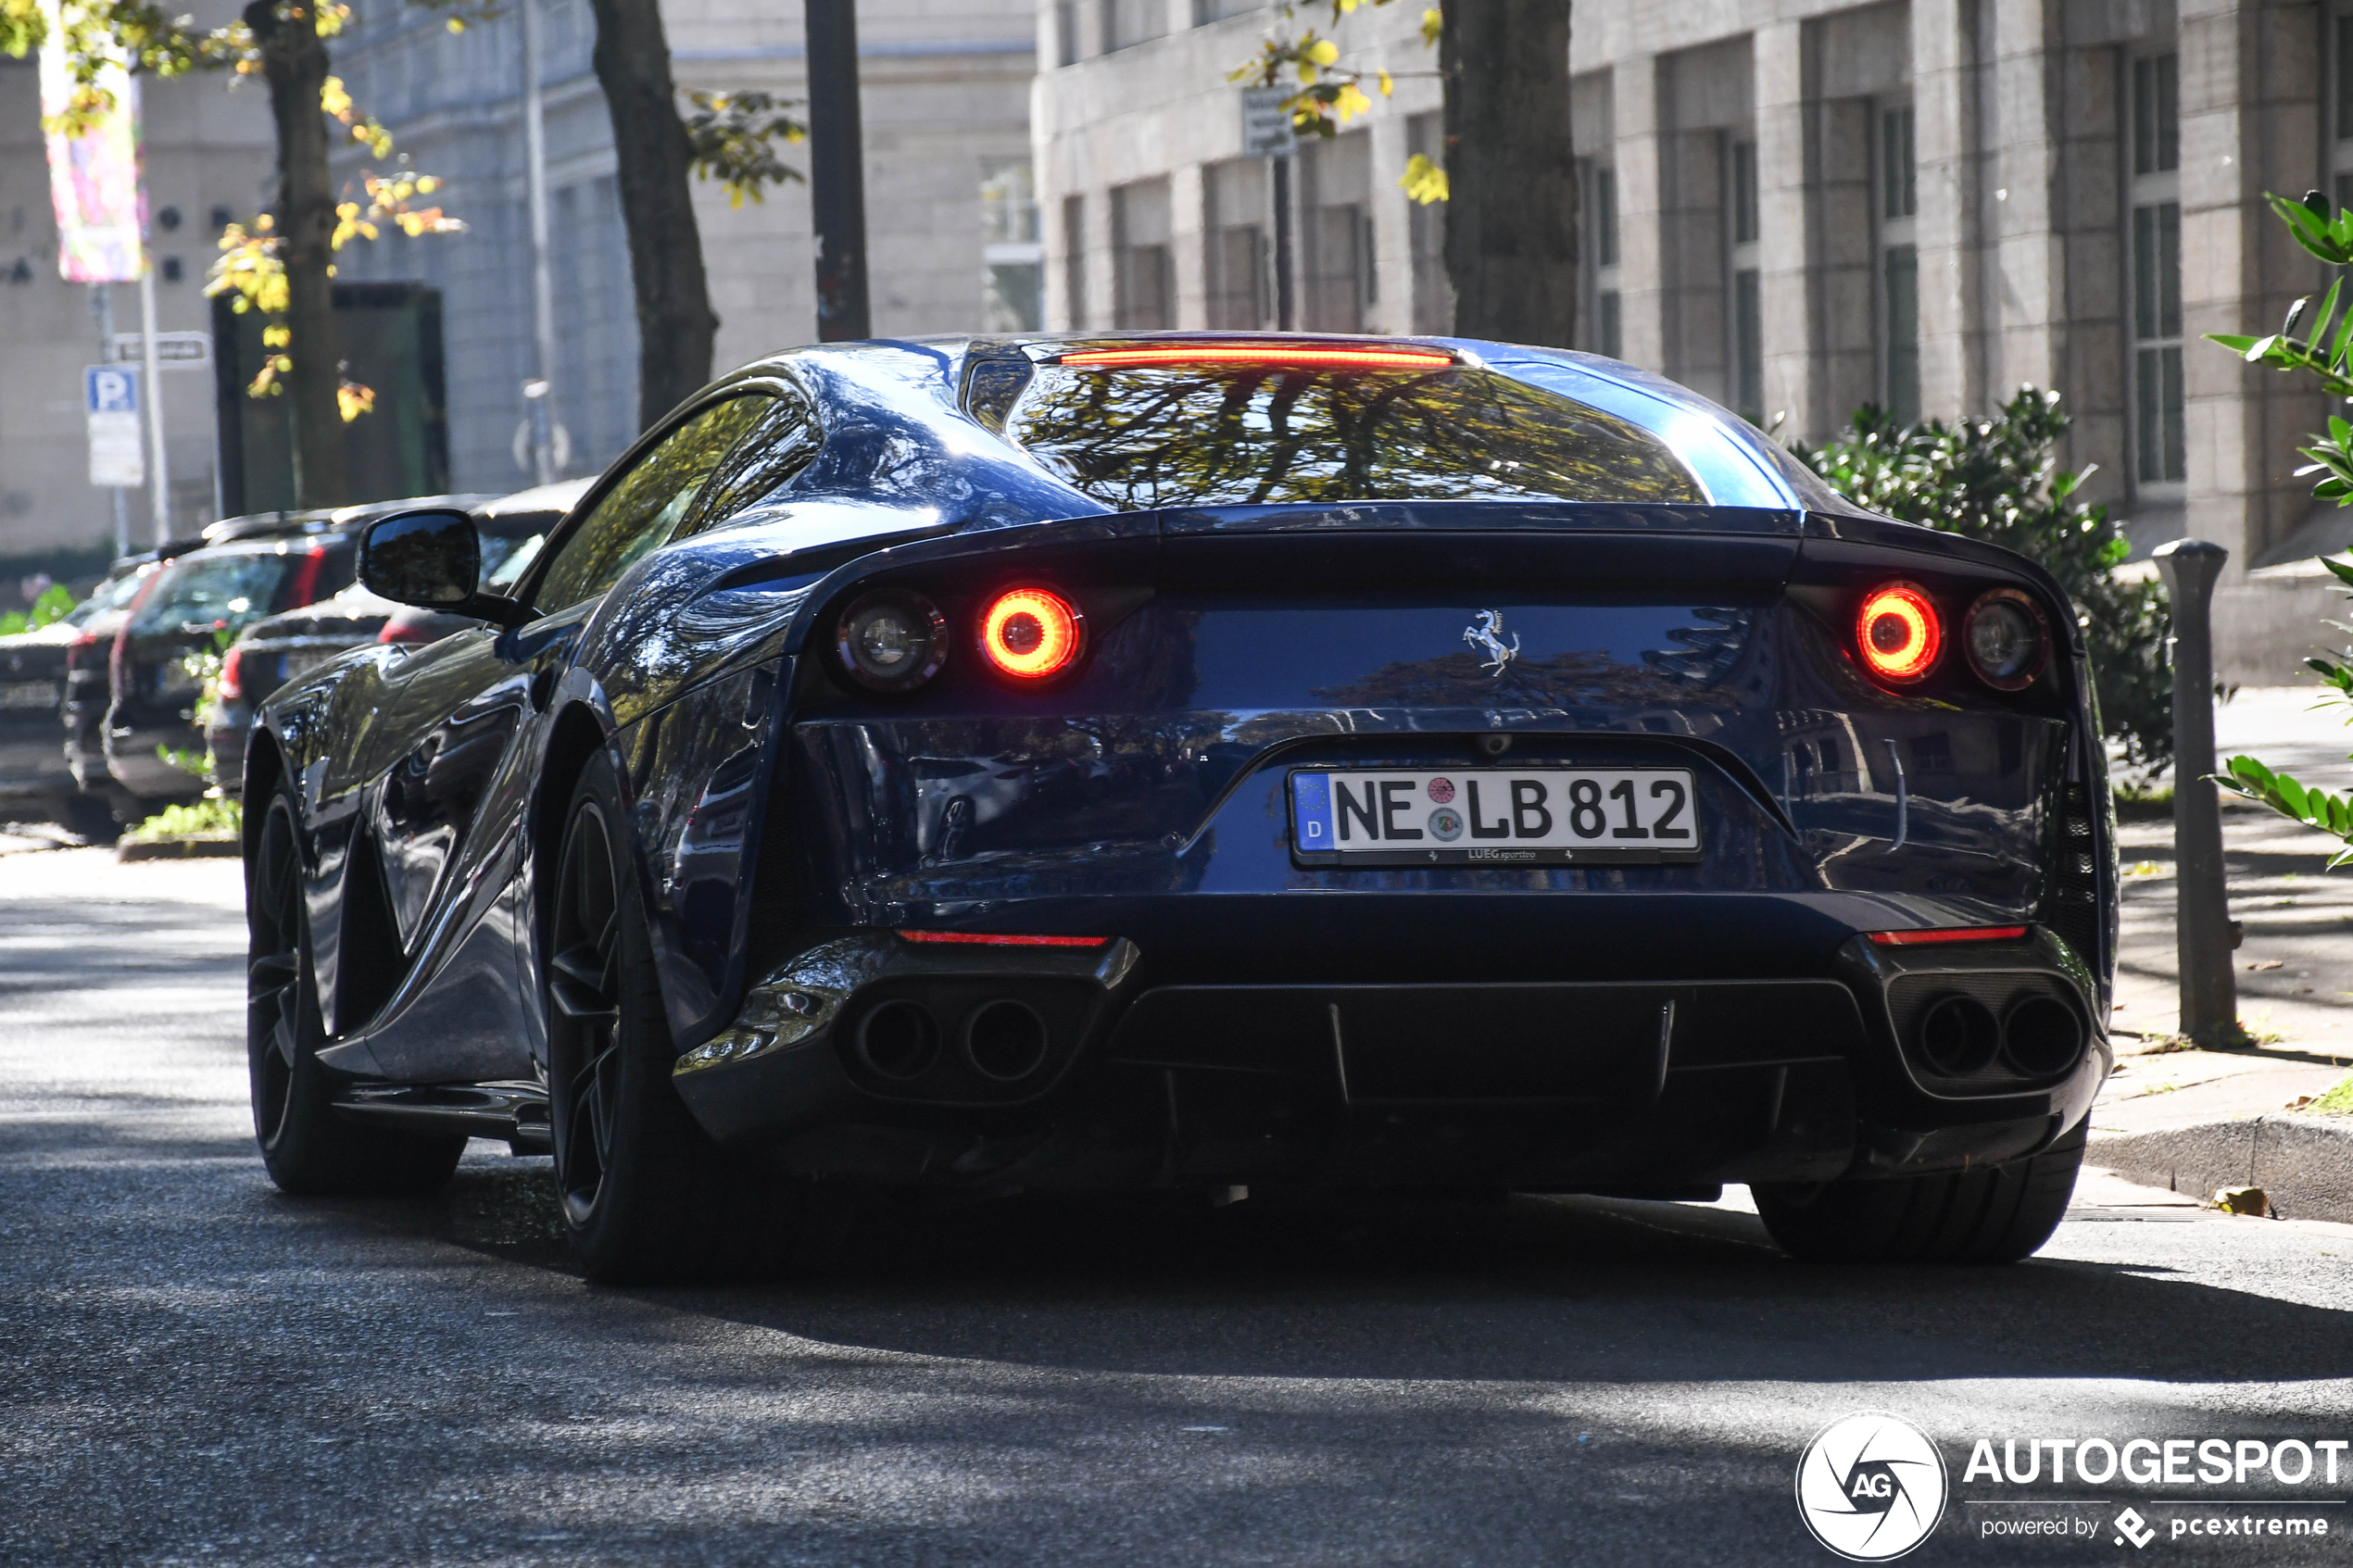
(86, 815)
(648, 1197)
(310, 1148)
(1991, 1214)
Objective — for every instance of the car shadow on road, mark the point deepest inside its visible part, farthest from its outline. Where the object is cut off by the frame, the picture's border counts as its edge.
(1370, 1287)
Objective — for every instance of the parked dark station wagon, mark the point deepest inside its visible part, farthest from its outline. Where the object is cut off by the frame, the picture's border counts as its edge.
(1183, 762)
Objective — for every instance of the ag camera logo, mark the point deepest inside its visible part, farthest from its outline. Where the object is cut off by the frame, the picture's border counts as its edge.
(1871, 1487)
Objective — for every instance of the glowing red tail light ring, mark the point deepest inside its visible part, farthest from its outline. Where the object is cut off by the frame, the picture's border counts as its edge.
(1032, 634)
(1898, 632)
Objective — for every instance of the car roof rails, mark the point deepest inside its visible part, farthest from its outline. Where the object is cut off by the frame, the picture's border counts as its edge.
(258, 525)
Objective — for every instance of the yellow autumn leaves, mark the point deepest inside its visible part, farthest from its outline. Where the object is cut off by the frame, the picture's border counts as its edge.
(1328, 96)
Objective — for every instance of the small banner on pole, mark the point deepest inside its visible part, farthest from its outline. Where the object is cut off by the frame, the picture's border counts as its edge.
(93, 177)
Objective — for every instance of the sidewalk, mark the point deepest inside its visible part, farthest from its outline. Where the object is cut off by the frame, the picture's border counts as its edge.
(2189, 1119)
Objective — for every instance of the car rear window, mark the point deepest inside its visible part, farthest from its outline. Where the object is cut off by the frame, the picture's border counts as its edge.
(214, 591)
(1194, 435)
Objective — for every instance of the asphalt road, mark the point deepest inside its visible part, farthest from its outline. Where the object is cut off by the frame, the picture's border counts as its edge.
(195, 1370)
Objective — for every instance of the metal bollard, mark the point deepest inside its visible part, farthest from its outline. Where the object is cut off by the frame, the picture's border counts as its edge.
(2202, 917)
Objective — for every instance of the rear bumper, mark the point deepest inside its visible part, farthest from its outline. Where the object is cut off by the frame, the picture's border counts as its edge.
(32, 764)
(134, 761)
(874, 1058)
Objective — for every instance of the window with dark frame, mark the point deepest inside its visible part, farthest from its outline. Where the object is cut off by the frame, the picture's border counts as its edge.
(1747, 288)
(1899, 323)
(1075, 261)
(2154, 247)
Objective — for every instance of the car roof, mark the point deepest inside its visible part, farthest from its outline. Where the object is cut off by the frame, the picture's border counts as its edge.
(334, 519)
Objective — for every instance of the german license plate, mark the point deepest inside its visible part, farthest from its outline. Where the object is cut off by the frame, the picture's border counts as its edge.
(1495, 816)
(29, 694)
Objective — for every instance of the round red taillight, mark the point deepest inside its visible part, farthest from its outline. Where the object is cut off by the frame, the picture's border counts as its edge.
(1032, 633)
(1898, 632)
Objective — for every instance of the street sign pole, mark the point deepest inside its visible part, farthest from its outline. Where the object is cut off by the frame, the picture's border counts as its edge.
(1266, 133)
(837, 170)
(158, 467)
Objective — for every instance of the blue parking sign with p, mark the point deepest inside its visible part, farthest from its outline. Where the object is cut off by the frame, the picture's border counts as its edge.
(110, 389)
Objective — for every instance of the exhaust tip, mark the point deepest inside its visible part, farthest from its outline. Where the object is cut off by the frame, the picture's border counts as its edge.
(2042, 1036)
(899, 1039)
(1005, 1040)
(1958, 1035)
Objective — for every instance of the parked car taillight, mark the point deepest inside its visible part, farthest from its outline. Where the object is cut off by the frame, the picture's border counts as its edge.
(231, 687)
(892, 641)
(2005, 638)
(1899, 632)
(1032, 633)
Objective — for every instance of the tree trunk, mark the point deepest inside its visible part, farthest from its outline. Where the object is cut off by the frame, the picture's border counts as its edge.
(1511, 209)
(295, 60)
(676, 325)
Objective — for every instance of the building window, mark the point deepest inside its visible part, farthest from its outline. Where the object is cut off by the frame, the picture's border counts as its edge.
(1899, 323)
(1337, 228)
(1748, 311)
(1206, 11)
(1425, 236)
(1235, 260)
(1600, 247)
(1013, 261)
(2158, 446)
(1129, 22)
(1075, 261)
(1143, 276)
(1066, 32)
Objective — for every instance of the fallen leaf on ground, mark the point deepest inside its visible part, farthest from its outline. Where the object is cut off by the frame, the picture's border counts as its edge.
(2267, 963)
(2252, 1201)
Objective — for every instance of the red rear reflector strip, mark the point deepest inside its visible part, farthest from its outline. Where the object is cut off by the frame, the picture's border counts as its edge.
(1951, 933)
(989, 939)
(1259, 354)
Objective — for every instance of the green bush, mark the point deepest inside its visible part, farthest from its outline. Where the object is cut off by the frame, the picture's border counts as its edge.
(209, 817)
(54, 604)
(1998, 480)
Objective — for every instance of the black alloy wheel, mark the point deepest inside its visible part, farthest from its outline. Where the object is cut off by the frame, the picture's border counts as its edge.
(584, 999)
(309, 1146)
(646, 1197)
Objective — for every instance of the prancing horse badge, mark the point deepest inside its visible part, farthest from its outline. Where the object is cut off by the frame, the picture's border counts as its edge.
(1486, 635)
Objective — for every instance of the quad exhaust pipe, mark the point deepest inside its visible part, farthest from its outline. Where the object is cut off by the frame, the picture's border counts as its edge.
(1003, 1039)
(1959, 1036)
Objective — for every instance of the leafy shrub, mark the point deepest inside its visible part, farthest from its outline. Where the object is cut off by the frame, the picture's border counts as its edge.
(54, 604)
(209, 817)
(2325, 353)
(1998, 480)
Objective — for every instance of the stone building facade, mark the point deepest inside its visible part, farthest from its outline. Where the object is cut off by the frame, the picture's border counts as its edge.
(951, 225)
(209, 154)
(1797, 206)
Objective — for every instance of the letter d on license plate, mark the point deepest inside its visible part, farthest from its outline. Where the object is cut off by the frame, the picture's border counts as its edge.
(1495, 816)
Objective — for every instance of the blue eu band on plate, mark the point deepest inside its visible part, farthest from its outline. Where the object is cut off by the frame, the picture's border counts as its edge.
(1539, 816)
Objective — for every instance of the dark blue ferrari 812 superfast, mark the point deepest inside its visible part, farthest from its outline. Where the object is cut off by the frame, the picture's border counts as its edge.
(1175, 763)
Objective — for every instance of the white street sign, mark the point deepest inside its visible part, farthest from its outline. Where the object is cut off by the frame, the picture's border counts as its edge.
(174, 351)
(110, 399)
(1266, 123)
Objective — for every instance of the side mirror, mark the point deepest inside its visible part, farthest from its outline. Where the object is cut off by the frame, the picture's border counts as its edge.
(432, 559)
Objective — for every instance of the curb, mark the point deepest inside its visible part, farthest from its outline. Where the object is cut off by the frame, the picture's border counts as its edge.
(191, 849)
(2303, 1163)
